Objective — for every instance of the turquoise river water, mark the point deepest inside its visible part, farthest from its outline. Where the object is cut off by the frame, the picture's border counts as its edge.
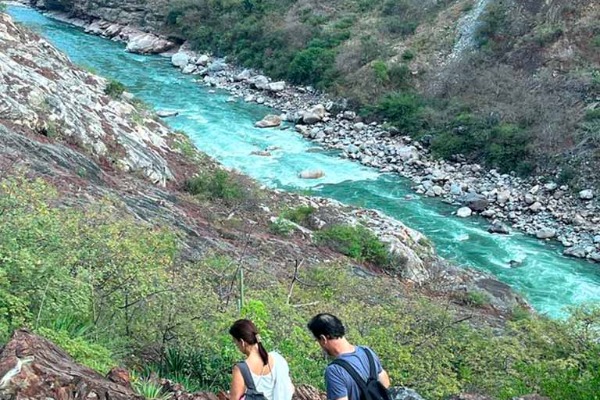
(225, 131)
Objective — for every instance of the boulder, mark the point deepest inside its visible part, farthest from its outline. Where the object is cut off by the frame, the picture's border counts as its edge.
(188, 69)
(203, 60)
(503, 196)
(269, 121)
(276, 86)
(311, 174)
(180, 59)
(32, 367)
(314, 115)
(402, 393)
(587, 194)
(545, 233)
(575, 251)
(217, 66)
(147, 43)
(595, 256)
(464, 212)
(475, 202)
(260, 82)
(536, 207)
(243, 76)
(498, 227)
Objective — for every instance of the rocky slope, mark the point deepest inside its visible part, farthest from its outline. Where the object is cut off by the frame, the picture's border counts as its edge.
(546, 207)
(94, 145)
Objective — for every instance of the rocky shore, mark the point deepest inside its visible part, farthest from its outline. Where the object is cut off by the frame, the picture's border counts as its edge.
(537, 206)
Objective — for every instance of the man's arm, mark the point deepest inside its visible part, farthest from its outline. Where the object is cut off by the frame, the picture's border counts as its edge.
(384, 378)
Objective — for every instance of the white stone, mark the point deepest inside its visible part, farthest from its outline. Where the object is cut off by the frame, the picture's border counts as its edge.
(464, 212)
(180, 59)
(587, 194)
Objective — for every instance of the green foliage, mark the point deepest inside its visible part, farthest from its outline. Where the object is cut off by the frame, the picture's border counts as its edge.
(381, 71)
(299, 215)
(314, 64)
(149, 390)
(214, 185)
(356, 242)
(566, 175)
(474, 299)
(402, 110)
(92, 355)
(114, 89)
(281, 227)
(2, 6)
(596, 41)
(499, 145)
(408, 55)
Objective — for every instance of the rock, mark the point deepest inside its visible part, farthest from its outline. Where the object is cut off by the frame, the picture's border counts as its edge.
(276, 86)
(402, 393)
(311, 174)
(464, 212)
(575, 251)
(260, 82)
(498, 227)
(352, 149)
(262, 153)
(359, 126)
(203, 60)
(314, 115)
(167, 113)
(407, 153)
(48, 372)
(456, 189)
(595, 256)
(597, 239)
(437, 190)
(188, 69)
(587, 194)
(180, 59)
(536, 207)
(475, 202)
(529, 199)
(147, 43)
(578, 220)
(243, 76)
(217, 66)
(349, 115)
(503, 196)
(269, 121)
(545, 233)
(550, 186)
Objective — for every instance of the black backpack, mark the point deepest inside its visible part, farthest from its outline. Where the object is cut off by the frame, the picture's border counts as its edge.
(372, 389)
(251, 392)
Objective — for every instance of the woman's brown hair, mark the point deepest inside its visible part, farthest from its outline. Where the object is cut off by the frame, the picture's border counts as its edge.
(244, 329)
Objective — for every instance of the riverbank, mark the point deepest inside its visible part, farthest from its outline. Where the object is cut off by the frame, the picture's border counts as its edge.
(537, 206)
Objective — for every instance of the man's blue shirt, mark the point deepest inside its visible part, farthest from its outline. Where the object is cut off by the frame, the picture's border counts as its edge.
(339, 383)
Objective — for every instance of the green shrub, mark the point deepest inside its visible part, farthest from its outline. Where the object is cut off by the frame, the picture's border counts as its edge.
(281, 227)
(114, 89)
(89, 354)
(356, 242)
(218, 184)
(314, 65)
(408, 55)
(381, 71)
(149, 390)
(403, 110)
(299, 215)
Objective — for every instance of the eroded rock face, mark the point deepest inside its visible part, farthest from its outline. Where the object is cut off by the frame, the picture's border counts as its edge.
(40, 90)
(32, 367)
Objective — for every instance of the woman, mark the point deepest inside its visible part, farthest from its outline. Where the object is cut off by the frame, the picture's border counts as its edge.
(269, 372)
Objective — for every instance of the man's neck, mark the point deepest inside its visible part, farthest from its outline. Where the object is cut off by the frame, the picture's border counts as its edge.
(341, 346)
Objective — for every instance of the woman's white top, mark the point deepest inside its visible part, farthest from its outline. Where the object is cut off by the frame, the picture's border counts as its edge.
(276, 385)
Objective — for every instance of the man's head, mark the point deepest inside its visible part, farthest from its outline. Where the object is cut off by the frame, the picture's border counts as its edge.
(327, 329)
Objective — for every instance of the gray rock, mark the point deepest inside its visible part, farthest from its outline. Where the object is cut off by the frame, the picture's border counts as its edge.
(498, 227)
(402, 393)
(536, 207)
(359, 126)
(180, 59)
(597, 239)
(456, 189)
(529, 199)
(578, 220)
(243, 76)
(595, 256)
(475, 202)
(575, 251)
(167, 113)
(217, 66)
(545, 233)
(203, 60)
(276, 86)
(437, 190)
(188, 69)
(147, 43)
(464, 212)
(352, 149)
(269, 121)
(503, 196)
(260, 82)
(550, 186)
(311, 174)
(587, 194)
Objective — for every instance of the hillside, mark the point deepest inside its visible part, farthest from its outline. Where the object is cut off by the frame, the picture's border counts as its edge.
(512, 84)
(123, 244)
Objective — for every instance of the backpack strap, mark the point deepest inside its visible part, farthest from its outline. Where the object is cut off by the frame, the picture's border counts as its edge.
(372, 368)
(362, 385)
(247, 376)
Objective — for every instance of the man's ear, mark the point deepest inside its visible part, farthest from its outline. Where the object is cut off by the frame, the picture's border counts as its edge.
(323, 338)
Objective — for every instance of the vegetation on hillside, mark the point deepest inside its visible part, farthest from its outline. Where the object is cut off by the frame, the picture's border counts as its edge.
(514, 103)
(110, 289)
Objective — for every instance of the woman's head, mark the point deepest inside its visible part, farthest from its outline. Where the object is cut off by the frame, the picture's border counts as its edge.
(246, 336)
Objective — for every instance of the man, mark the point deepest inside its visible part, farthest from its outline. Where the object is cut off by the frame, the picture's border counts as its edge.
(329, 332)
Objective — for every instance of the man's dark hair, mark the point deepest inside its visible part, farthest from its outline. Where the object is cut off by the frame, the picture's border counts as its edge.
(327, 325)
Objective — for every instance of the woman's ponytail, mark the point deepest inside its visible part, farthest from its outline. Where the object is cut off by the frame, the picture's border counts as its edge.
(244, 329)
(264, 356)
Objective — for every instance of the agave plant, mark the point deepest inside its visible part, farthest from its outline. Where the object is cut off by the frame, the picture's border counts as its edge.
(149, 390)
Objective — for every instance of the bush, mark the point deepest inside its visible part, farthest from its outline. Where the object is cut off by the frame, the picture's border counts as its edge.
(408, 55)
(114, 89)
(215, 185)
(313, 65)
(356, 242)
(281, 227)
(403, 110)
(299, 215)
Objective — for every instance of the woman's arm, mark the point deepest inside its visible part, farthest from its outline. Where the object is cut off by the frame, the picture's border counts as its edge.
(238, 387)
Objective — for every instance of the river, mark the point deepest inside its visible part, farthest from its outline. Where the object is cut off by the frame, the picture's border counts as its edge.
(225, 131)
